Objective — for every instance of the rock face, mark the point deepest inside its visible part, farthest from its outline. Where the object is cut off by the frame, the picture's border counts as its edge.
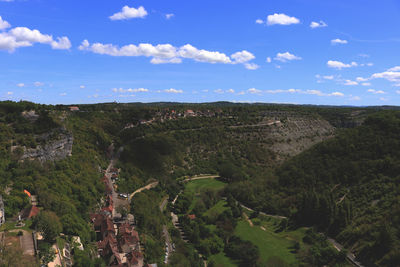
(56, 145)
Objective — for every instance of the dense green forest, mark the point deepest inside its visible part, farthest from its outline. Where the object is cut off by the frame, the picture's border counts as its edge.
(344, 183)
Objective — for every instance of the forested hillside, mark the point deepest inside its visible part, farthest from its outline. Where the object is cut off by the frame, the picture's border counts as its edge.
(333, 169)
(347, 187)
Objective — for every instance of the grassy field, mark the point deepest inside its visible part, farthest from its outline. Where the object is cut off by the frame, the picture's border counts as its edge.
(199, 185)
(217, 209)
(268, 241)
(221, 260)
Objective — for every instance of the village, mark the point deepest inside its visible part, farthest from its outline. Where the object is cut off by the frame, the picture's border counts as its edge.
(117, 241)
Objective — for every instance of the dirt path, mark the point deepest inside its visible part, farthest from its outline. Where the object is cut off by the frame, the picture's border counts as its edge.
(26, 241)
(201, 177)
(263, 213)
(247, 219)
(147, 187)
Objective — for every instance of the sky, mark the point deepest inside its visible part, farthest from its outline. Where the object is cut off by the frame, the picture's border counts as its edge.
(331, 52)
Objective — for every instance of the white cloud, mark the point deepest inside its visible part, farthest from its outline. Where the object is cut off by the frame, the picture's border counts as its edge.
(37, 84)
(24, 37)
(284, 57)
(82, 87)
(338, 41)
(251, 66)
(20, 84)
(383, 99)
(4, 24)
(219, 91)
(129, 13)
(355, 98)
(361, 79)
(230, 91)
(328, 77)
(397, 68)
(189, 51)
(167, 53)
(373, 91)
(319, 24)
(253, 91)
(157, 60)
(340, 65)
(242, 57)
(398, 92)
(268, 60)
(63, 94)
(259, 21)
(281, 19)
(350, 82)
(10, 93)
(169, 16)
(392, 75)
(366, 84)
(364, 55)
(129, 90)
(173, 91)
(337, 94)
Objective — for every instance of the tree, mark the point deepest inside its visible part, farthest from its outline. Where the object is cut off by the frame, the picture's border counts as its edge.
(49, 224)
(46, 253)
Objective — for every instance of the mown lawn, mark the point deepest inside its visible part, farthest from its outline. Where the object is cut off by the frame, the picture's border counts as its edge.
(199, 185)
(268, 241)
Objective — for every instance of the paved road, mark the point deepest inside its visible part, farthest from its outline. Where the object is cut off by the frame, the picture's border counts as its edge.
(26, 241)
(350, 256)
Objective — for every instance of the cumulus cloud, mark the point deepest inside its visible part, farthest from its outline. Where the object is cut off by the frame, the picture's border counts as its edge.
(259, 21)
(4, 24)
(373, 91)
(82, 87)
(254, 91)
(284, 57)
(319, 24)
(350, 82)
(169, 16)
(10, 93)
(366, 84)
(219, 91)
(37, 84)
(157, 60)
(20, 84)
(340, 65)
(268, 60)
(281, 19)
(129, 13)
(251, 66)
(24, 37)
(361, 79)
(230, 91)
(173, 91)
(392, 75)
(306, 92)
(63, 94)
(338, 41)
(129, 90)
(167, 53)
(242, 57)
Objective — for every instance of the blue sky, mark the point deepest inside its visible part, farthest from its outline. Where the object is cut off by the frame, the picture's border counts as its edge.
(338, 52)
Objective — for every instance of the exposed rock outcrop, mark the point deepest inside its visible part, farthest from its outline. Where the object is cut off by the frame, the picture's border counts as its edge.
(55, 145)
